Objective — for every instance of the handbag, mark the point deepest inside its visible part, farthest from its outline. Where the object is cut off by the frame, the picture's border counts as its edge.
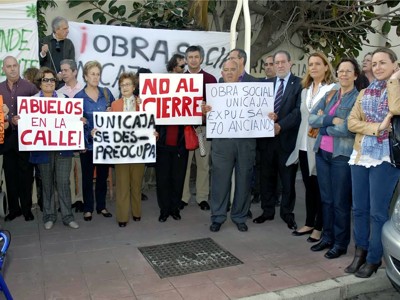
(191, 139)
(313, 132)
(394, 142)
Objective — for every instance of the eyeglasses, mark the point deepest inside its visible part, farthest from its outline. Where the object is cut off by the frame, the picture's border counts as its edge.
(341, 72)
(268, 64)
(125, 85)
(181, 66)
(48, 80)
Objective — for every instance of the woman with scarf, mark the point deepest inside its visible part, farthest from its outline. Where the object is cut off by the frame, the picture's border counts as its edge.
(374, 178)
(333, 148)
(129, 177)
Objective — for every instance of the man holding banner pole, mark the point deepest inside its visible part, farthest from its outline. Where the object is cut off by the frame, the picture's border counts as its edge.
(230, 154)
(194, 57)
(18, 171)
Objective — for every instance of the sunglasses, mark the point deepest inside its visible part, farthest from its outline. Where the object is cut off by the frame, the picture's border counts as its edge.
(181, 66)
(48, 80)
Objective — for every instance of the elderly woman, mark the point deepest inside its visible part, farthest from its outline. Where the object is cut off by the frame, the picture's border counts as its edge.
(129, 177)
(318, 81)
(373, 176)
(95, 99)
(333, 148)
(54, 166)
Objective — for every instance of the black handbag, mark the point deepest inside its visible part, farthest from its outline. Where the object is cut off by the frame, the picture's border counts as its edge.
(394, 142)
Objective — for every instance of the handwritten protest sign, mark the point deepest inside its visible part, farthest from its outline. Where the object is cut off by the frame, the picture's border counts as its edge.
(124, 138)
(172, 98)
(240, 110)
(50, 124)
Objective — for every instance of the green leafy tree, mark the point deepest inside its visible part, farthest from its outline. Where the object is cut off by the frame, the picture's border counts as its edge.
(42, 6)
(150, 14)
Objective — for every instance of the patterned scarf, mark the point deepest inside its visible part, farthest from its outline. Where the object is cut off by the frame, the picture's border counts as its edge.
(375, 106)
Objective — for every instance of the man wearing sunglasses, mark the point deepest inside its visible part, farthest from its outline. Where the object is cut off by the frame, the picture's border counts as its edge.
(56, 47)
(18, 171)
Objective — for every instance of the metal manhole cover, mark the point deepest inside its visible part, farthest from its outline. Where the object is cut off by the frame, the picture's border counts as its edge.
(187, 257)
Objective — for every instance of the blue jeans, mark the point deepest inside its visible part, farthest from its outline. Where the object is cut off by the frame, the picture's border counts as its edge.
(334, 180)
(372, 191)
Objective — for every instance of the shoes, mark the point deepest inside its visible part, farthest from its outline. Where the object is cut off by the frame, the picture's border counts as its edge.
(144, 197)
(249, 214)
(335, 253)
(136, 219)
(322, 245)
(312, 240)
(182, 205)
(105, 213)
(12, 216)
(48, 225)
(215, 227)
(29, 217)
(176, 216)
(204, 205)
(87, 216)
(242, 227)
(360, 257)
(122, 224)
(73, 225)
(367, 269)
(262, 219)
(300, 233)
(162, 218)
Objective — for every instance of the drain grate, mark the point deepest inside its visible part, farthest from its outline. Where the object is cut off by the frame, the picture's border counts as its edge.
(187, 257)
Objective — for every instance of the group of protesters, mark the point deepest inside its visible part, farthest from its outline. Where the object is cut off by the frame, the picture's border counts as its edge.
(334, 123)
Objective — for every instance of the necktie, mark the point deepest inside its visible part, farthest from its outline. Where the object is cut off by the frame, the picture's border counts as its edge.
(278, 98)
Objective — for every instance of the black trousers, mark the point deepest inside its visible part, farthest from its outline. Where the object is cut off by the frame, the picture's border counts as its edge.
(18, 172)
(273, 164)
(313, 197)
(170, 176)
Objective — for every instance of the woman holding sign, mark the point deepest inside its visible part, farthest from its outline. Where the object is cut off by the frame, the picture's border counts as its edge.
(54, 166)
(95, 99)
(129, 177)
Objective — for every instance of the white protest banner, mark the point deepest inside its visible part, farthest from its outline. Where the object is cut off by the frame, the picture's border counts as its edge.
(50, 124)
(126, 49)
(124, 138)
(240, 110)
(173, 98)
(19, 34)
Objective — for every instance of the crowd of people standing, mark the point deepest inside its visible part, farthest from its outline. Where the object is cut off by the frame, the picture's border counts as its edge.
(333, 123)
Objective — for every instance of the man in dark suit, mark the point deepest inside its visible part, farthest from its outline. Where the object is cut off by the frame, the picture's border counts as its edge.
(276, 150)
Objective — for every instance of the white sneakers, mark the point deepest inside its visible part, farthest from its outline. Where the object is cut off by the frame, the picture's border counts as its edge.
(73, 225)
(48, 225)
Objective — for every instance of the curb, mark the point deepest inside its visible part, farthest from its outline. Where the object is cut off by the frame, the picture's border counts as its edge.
(338, 288)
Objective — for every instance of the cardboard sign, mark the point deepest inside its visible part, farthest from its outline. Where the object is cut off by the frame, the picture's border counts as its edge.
(172, 98)
(240, 110)
(124, 138)
(50, 124)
